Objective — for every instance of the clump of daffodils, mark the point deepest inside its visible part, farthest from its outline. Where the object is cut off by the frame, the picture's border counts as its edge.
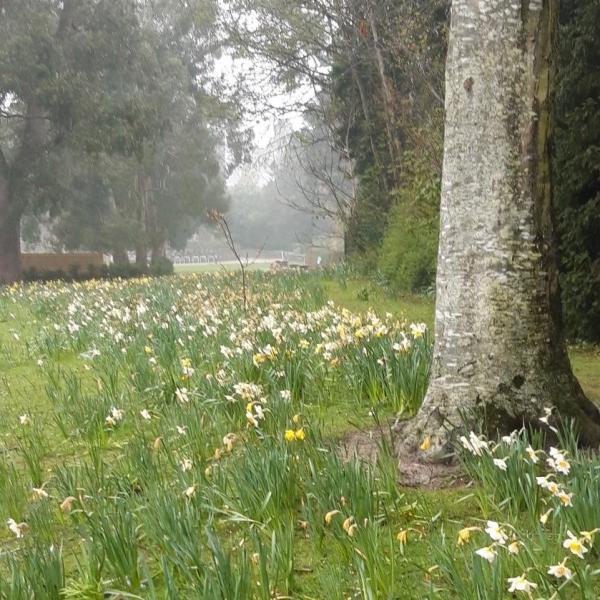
(114, 417)
(292, 435)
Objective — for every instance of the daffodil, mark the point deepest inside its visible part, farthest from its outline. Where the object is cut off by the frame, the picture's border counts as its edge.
(514, 547)
(289, 435)
(510, 439)
(565, 499)
(495, 531)
(229, 441)
(329, 516)
(547, 414)
(489, 553)
(39, 493)
(418, 329)
(500, 463)
(465, 534)
(563, 466)
(425, 444)
(18, 529)
(560, 570)
(544, 517)
(182, 395)
(67, 503)
(476, 445)
(574, 545)
(588, 536)
(347, 522)
(190, 492)
(532, 454)
(520, 584)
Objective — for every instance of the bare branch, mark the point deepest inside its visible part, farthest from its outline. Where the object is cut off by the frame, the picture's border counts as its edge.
(221, 221)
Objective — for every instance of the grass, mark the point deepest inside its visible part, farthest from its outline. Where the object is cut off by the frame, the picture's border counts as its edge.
(138, 507)
(218, 267)
(358, 295)
(95, 344)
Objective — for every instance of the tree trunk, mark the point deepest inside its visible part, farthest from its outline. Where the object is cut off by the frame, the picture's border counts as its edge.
(499, 349)
(10, 236)
(141, 254)
(158, 250)
(141, 246)
(120, 256)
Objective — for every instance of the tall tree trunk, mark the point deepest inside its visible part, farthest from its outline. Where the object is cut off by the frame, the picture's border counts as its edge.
(141, 254)
(141, 246)
(10, 234)
(14, 178)
(14, 183)
(499, 347)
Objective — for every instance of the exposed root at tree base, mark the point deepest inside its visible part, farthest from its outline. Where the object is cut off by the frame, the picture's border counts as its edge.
(412, 472)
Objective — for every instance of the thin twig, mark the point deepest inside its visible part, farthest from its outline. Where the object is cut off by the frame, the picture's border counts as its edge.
(220, 220)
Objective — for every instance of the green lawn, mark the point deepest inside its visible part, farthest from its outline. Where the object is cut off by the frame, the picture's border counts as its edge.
(321, 566)
(213, 268)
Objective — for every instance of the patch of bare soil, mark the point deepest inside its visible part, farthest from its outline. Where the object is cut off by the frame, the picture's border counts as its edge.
(412, 472)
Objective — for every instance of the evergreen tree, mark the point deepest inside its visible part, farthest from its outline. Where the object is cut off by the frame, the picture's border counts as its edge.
(577, 166)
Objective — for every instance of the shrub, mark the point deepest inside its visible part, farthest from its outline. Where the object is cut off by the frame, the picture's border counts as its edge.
(407, 257)
(159, 268)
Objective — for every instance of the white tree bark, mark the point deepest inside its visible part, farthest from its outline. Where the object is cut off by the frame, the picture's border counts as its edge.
(499, 349)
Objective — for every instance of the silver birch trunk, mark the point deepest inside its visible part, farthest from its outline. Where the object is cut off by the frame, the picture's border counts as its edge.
(499, 347)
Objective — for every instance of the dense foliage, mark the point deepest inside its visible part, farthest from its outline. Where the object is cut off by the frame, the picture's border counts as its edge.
(577, 167)
(115, 130)
(377, 69)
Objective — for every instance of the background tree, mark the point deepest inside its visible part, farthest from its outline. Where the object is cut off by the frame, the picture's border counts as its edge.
(63, 73)
(367, 75)
(112, 124)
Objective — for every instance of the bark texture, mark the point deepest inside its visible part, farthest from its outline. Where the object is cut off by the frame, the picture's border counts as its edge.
(499, 346)
(10, 245)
